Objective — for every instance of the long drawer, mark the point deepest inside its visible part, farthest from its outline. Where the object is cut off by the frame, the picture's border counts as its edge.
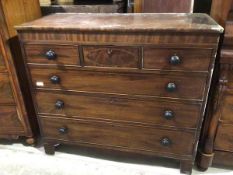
(189, 59)
(6, 95)
(119, 136)
(150, 112)
(224, 138)
(9, 120)
(149, 84)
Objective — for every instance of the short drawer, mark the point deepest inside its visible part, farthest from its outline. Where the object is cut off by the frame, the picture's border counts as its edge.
(6, 95)
(141, 139)
(177, 59)
(161, 85)
(52, 54)
(9, 120)
(224, 138)
(111, 56)
(149, 112)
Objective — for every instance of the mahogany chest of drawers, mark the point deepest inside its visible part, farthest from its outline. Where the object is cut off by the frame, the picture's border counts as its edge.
(130, 82)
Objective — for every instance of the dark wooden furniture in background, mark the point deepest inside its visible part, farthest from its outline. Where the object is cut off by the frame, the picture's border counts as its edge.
(220, 10)
(137, 86)
(15, 119)
(84, 6)
(161, 6)
(217, 139)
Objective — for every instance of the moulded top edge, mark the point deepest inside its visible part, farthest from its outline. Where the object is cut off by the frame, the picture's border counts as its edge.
(146, 22)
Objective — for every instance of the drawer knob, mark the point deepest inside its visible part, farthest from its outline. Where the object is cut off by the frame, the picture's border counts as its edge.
(168, 114)
(63, 130)
(59, 104)
(51, 55)
(171, 87)
(166, 141)
(175, 60)
(55, 79)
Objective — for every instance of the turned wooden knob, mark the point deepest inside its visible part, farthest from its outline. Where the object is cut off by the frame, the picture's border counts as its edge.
(168, 114)
(55, 79)
(51, 55)
(171, 87)
(175, 60)
(165, 141)
(63, 130)
(59, 104)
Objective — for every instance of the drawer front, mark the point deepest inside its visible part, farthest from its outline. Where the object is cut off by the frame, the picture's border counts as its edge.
(224, 138)
(128, 137)
(109, 56)
(177, 59)
(6, 95)
(227, 109)
(187, 87)
(9, 120)
(148, 112)
(2, 63)
(52, 54)
(230, 79)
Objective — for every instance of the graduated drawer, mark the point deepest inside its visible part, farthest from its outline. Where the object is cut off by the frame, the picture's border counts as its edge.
(161, 85)
(9, 120)
(132, 138)
(149, 112)
(111, 56)
(52, 54)
(184, 59)
(224, 137)
(6, 95)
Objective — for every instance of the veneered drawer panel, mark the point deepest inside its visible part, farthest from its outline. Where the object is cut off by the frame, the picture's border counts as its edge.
(2, 63)
(187, 59)
(52, 54)
(187, 87)
(224, 138)
(111, 56)
(150, 112)
(6, 95)
(9, 120)
(227, 108)
(119, 136)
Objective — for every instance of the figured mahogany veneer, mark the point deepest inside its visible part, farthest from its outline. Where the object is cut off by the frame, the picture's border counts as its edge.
(110, 56)
(138, 83)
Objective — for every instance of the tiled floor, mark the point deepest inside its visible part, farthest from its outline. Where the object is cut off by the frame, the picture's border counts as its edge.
(17, 159)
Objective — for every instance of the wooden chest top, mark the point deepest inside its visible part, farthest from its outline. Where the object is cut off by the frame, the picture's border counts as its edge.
(125, 22)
